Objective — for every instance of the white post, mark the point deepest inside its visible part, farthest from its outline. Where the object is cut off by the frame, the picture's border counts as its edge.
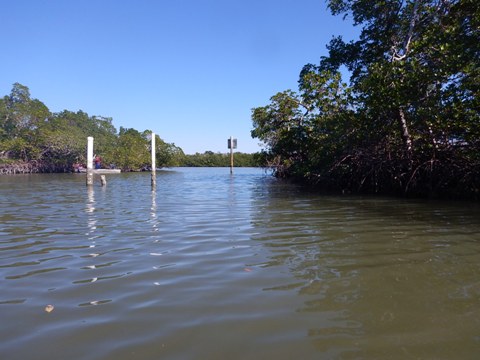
(90, 160)
(231, 155)
(154, 166)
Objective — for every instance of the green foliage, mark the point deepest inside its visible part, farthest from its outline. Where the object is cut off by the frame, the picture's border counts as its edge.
(131, 150)
(301, 131)
(21, 120)
(409, 121)
(168, 155)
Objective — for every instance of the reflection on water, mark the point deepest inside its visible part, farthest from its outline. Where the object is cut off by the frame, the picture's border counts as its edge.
(153, 213)
(90, 211)
(213, 265)
(386, 274)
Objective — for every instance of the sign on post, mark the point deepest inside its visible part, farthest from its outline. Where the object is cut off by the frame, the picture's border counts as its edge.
(232, 142)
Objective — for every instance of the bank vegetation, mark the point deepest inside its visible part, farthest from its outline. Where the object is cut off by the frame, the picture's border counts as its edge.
(396, 111)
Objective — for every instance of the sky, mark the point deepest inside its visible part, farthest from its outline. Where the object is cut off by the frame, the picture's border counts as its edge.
(189, 70)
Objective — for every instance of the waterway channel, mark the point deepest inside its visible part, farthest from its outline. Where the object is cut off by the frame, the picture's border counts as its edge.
(211, 265)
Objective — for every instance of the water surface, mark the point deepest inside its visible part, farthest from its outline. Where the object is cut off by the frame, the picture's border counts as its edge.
(214, 266)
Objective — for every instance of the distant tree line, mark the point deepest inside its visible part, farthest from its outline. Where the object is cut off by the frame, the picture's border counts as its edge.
(33, 139)
(211, 159)
(408, 120)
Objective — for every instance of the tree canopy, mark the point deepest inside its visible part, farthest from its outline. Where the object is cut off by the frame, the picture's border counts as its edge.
(406, 122)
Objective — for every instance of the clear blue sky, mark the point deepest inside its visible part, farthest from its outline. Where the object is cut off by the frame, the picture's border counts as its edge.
(190, 70)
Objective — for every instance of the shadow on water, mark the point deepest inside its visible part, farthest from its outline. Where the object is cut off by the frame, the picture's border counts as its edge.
(380, 274)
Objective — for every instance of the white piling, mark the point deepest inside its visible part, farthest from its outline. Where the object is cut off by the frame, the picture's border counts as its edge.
(231, 155)
(154, 165)
(90, 160)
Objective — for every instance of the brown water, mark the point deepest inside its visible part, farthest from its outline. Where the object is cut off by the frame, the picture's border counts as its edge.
(213, 266)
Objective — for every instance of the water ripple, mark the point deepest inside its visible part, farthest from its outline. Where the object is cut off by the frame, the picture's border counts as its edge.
(211, 262)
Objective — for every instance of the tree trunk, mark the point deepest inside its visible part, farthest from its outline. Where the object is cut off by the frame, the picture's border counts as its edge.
(407, 140)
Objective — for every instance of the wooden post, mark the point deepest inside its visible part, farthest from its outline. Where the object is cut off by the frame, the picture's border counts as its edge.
(231, 155)
(154, 165)
(103, 180)
(89, 161)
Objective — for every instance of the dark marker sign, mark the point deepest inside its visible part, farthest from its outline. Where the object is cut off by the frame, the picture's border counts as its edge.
(230, 141)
